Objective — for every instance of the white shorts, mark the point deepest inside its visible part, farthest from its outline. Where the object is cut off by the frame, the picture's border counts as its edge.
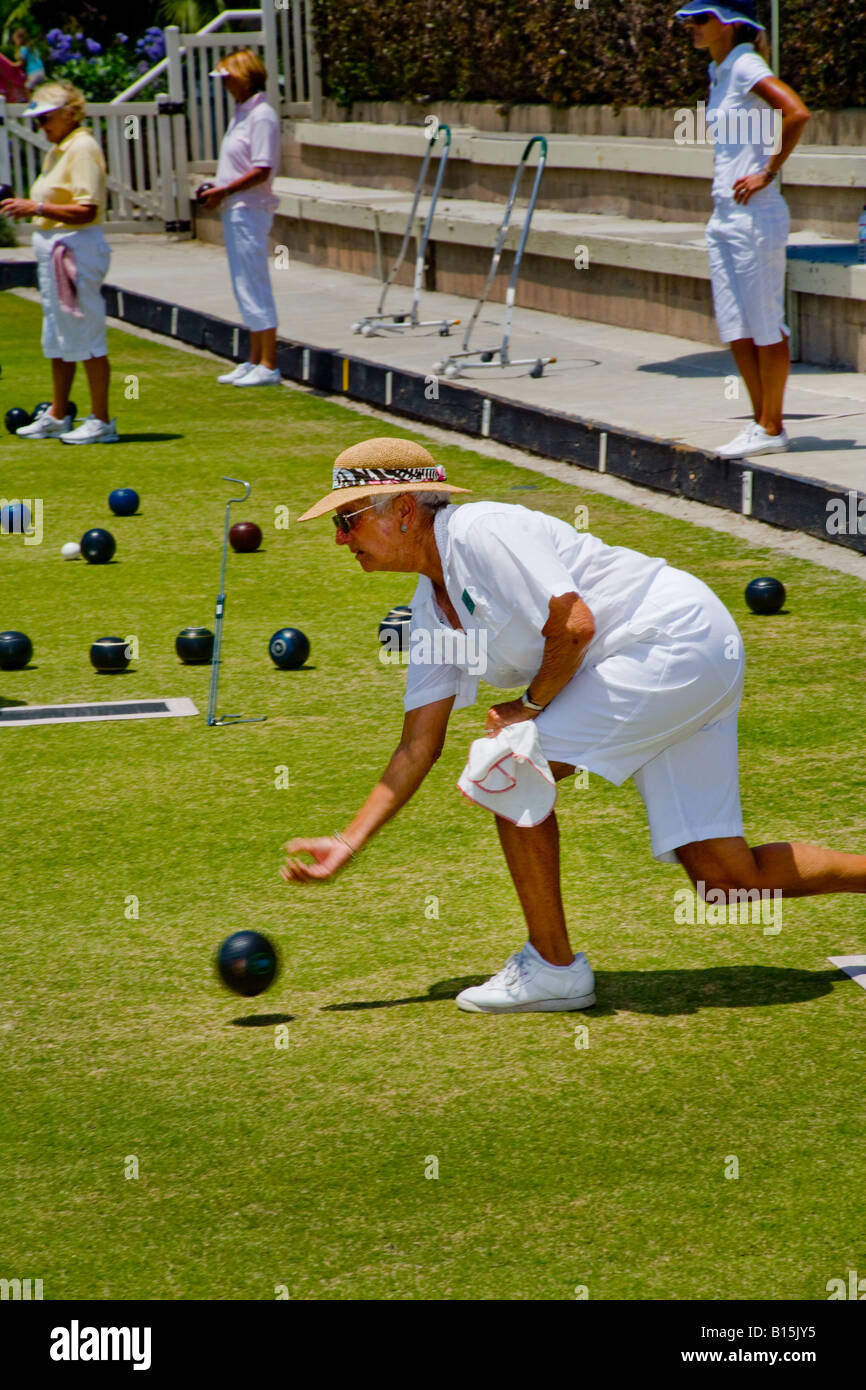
(663, 711)
(746, 246)
(63, 334)
(245, 231)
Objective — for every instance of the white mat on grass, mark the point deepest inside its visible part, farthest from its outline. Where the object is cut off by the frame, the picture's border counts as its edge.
(855, 966)
(19, 716)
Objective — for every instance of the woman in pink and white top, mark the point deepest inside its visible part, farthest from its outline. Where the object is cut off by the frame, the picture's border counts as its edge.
(249, 156)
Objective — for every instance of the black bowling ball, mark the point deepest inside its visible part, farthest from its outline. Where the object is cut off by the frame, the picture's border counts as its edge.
(194, 645)
(98, 546)
(16, 650)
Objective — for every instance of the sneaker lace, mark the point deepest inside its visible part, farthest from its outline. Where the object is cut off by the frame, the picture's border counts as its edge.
(512, 972)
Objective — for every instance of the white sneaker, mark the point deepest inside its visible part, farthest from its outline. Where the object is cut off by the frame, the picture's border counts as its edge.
(92, 431)
(259, 376)
(740, 445)
(763, 443)
(46, 427)
(528, 984)
(229, 378)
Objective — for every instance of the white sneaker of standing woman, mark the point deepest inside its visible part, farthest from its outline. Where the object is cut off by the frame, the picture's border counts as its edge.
(229, 378)
(92, 431)
(737, 447)
(260, 376)
(46, 427)
(763, 443)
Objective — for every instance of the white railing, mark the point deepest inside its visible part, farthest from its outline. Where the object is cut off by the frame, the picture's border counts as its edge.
(284, 31)
(139, 145)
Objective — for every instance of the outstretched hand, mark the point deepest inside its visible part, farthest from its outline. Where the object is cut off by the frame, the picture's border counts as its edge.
(329, 854)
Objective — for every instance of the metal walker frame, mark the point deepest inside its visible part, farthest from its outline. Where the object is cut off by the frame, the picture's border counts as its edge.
(369, 325)
(451, 366)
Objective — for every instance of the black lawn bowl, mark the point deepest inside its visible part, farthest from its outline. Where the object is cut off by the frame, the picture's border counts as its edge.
(194, 645)
(16, 418)
(765, 595)
(110, 654)
(394, 631)
(202, 189)
(289, 648)
(247, 963)
(124, 501)
(40, 409)
(16, 650)
(98, 546)
(6, 191)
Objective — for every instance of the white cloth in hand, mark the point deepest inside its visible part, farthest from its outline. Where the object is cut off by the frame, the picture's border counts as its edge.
(510, 775)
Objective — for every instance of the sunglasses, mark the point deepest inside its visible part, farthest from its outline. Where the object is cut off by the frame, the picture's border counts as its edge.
(343, 520)
(698, 20)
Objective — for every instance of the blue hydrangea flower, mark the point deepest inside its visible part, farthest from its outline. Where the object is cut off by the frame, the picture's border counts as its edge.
(93, 47)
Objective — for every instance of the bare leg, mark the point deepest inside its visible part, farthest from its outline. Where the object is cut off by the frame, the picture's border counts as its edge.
(532, 855)
(62, 375)
(263, 347)
(98, 376)
(798, 870)
(269, 347)
(775, 364)
(748, 365)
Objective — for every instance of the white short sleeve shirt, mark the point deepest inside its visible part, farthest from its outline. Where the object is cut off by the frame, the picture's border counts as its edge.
(740, 124)
(502, 564)
(252, 141)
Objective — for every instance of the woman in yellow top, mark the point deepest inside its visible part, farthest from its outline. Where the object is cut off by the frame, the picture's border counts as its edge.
(67, 203)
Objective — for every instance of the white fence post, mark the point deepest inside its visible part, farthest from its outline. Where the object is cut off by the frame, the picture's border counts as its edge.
(5, 163)
(181, 219)
(272, 60)
(313, 69)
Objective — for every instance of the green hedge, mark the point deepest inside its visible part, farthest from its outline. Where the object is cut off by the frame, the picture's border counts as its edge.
(630, 53)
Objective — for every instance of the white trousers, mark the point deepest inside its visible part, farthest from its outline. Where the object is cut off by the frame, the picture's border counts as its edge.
(63, 334)
(245, 231)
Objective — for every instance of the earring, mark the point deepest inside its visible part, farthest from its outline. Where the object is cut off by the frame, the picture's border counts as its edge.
(404, 528)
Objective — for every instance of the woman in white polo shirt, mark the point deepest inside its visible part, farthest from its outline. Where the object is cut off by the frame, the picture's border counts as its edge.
(67, 203)
(747, 234)
(632, 669)
(249, 156)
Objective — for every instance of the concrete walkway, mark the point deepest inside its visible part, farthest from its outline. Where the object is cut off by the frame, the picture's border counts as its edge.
(666, 387)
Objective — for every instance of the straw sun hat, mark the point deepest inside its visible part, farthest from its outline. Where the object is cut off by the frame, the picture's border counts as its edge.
(381, 466)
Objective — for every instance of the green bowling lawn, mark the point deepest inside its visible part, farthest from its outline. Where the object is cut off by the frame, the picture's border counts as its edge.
(165, 1139)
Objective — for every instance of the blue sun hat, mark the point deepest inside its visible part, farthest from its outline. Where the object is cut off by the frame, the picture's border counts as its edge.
(733, 12)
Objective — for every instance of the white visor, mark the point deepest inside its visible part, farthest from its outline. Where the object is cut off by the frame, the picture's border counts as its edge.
(218, 72)
(42, 108)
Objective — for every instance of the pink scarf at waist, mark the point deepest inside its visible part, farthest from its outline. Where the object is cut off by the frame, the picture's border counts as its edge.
(66, 275)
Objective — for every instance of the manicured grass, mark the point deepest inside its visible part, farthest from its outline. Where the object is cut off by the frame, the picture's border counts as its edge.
(260, 1165)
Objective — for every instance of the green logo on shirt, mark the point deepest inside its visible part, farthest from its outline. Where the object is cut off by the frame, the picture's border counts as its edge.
(467, 601)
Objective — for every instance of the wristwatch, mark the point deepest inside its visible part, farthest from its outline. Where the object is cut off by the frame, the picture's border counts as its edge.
(530, 703)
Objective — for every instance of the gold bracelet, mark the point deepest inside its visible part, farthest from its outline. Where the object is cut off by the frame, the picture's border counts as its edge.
(343, 840)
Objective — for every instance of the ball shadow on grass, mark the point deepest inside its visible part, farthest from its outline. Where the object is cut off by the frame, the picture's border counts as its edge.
(262, 1020)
